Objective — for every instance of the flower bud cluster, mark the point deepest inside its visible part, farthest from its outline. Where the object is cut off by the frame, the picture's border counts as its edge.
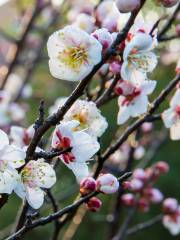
(143, 193)
(105, 183)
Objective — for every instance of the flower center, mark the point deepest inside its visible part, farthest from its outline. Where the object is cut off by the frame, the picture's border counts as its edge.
(74, 57)
(27, 176)
(129, 98)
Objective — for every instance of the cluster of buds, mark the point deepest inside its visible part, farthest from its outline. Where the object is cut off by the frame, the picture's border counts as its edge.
(171, 218)
(143, 193)
(105, 183)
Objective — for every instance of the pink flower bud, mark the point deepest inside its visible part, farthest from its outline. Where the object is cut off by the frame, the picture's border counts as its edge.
(104, 37)
(170, 205)
(94, 204)
(143, 205)
(136, 185)
(162, 167)
(126, 185)
(155, 195)
(128, 199)
(168, 3)
(87, 185)
(147, 127)
(140, 174)
(125, 6)
(139, 152)
(107, 184)
(115, 67)
(178, 29)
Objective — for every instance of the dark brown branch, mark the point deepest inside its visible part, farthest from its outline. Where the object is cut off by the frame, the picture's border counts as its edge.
(45, 220)
(169, 23)
(55, 118)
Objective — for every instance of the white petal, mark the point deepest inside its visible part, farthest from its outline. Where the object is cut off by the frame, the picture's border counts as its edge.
(168, 117)
(84, 146)
(8, 180)
(16, 135)
(35, 197)
(4, 141)
(176, 99)
(126, 71)
(46, 176)
(14, 155)
(148, 87)
(80, 170)
(123, 114)
(140, 106)
(175, 131)
(20, 190)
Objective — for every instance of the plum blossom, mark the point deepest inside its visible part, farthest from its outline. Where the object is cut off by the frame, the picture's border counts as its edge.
(11, 158)
(85, 22)
(88, 115)
(73, 53)
(134, 99)
(82, 147)
(171, 116)
(35, 176)
(104, 37)
(87, 185)
(94, 204)
(20, 136)
(107, 183)
(138, 56)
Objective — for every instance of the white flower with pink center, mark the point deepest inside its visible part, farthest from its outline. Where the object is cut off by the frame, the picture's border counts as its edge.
(171, 116)
(11, 157)
(73, 53)
(81, 147)
(21, 136)
(35, 176)
(134, 101)
(86, 113)
(138, 56)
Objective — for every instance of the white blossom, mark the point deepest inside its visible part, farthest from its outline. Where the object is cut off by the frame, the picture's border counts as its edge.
(73, 53)
(135, 100)
(11, 157)
(138, 56)
(82, 145)
(35, 176)
(88, 115)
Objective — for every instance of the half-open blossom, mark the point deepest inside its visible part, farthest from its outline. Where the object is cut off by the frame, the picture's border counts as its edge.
(87, 185)
(171, 116)
(11, 157)
(135, 102)
(20, 136)
(107, 183)
(125, 6)
(82, 147)
(138, 56)
(73, 53)
(35, 176)
(88, 115)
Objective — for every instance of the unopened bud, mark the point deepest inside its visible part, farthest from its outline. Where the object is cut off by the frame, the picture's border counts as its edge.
(170, 205)
(107, 183)
(125, 6)
(94, 204)
(87, 186)
(128, 199)
(162, 167)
